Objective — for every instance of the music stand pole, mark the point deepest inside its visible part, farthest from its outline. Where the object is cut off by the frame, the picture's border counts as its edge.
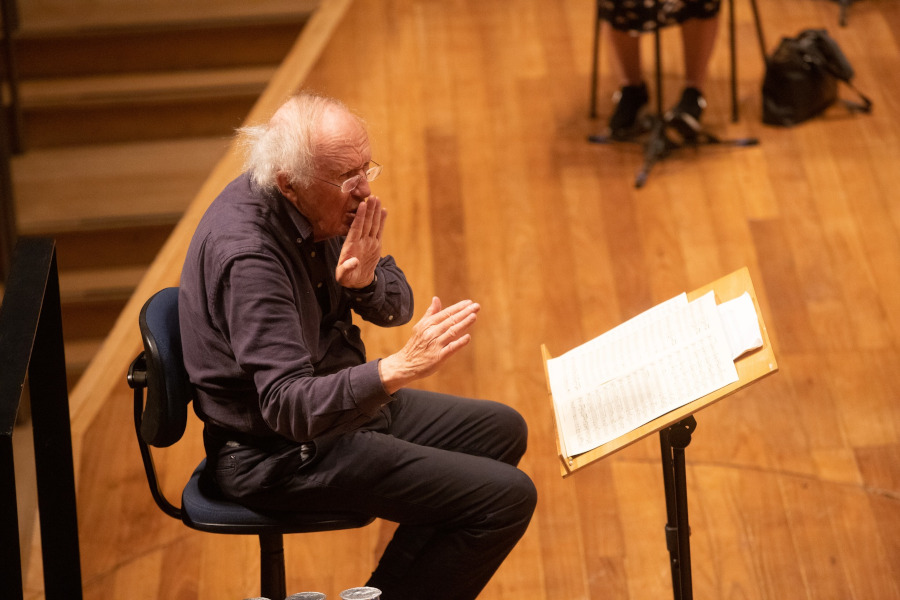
(659, 144)
(673, 440)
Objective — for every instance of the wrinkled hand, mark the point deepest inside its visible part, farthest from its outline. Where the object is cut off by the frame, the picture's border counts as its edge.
(362, 246)
(436, 337)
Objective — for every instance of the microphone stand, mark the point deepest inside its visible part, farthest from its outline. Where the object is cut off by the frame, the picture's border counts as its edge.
(660, 144)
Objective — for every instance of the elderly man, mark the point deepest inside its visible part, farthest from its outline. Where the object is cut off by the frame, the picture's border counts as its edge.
(296, 416)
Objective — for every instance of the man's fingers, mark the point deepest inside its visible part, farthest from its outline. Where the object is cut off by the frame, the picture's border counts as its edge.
(380, 231)
(433, 308)
(435, 317)
(459, 328)
(455, 346)
(463, 306)
(445, 325)
(458, 313)
(369, 213)
(366, 212)
(347, 266)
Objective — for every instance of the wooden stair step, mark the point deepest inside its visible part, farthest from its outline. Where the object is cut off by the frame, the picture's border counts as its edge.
(142, 88)
(123, 108)
(90, 318)
(157, 48)
(103, 187)
(122, 246)
(79, 354)
(90, 15)
(87, 285)
(91, 301)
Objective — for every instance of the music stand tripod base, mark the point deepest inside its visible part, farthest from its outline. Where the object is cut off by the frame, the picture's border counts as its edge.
(660, 144)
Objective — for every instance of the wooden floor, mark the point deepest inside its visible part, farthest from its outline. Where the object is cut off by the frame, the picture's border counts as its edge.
(479, 112)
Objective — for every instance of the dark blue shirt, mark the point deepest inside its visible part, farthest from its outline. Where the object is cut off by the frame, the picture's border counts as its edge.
(269, 341)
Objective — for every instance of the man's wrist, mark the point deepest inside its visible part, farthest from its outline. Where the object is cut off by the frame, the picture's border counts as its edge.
(391, 378)
(370, 287)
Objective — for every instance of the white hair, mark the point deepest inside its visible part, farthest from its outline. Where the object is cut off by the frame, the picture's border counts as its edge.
(286, 144)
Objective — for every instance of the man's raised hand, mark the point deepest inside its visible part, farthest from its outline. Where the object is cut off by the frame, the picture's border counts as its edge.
(362, 246)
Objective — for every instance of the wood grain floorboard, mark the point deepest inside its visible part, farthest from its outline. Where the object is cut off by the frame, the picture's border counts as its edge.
(479, 112)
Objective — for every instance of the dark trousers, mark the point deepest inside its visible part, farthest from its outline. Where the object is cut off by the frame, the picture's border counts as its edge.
(440, 466)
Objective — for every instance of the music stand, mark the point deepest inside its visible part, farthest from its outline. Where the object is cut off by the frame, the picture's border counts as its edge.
(675, 429)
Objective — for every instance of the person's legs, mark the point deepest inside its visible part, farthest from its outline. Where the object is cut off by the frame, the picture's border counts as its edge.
(632, 96)
(488, 502)
(626, 49)
(698, 37)
(440, 466)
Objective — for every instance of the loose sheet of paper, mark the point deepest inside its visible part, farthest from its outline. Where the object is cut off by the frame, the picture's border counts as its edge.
(741, 325)
(664, 358)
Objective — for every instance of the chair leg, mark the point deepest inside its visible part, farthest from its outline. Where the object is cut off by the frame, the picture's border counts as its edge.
(271, 566)
(733, 44)
(733, 55)
(595, 73)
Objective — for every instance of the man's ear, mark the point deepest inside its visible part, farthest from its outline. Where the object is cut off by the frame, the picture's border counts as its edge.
(285, 187)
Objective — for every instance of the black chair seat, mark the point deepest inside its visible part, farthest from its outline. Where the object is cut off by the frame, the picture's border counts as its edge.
(205, 512)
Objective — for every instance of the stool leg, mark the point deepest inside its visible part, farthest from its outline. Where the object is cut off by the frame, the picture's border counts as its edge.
(271, 566)
(732, 45)
(595, 73)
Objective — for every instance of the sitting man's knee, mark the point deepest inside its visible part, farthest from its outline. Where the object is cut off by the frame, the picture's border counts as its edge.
(514, 430)
(518, 499)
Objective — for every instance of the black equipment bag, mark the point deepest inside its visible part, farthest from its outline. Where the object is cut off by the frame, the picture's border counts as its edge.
(802, 79)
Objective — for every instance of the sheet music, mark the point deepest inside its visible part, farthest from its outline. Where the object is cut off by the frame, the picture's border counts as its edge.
(662, 359)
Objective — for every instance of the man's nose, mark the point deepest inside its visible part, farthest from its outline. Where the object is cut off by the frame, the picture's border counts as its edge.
(363, 190)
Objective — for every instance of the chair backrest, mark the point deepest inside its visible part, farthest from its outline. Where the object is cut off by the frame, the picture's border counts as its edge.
(169, 390)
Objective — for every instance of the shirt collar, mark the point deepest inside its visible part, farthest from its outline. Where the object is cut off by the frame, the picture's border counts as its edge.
(291, 218)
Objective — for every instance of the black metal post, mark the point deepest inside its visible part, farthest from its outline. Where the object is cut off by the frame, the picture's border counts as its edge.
(595, 73)
(732, 32)
(11, 566)
(31, 342)
(53, 451)
(273, 583)
(673, 440)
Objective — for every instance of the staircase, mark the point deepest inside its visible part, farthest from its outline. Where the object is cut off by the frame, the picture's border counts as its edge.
(126, 107)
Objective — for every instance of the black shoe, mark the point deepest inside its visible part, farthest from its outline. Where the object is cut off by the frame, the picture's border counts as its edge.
(629, 102)
(685, 116)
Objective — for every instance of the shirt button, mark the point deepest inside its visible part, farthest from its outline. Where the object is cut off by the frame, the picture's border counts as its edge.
(390, 317)
(299, 240)
(318, 285)
(312, 254)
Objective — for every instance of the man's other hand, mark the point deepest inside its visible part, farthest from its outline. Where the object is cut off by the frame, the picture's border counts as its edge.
(440, 334)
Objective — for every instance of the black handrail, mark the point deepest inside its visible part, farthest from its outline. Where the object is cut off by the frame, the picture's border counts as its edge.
(31, 344)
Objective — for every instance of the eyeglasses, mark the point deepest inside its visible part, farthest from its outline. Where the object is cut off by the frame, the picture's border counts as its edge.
(352, 183)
